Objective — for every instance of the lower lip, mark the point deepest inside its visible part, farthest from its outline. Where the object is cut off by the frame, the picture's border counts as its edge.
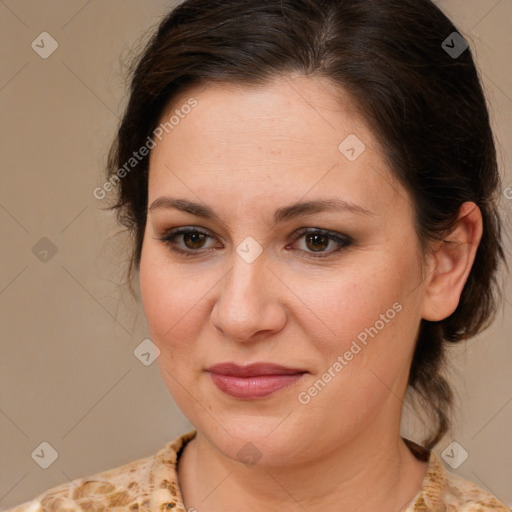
(253, 387)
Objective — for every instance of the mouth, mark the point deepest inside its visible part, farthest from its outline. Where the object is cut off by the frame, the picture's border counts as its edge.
(253, 381)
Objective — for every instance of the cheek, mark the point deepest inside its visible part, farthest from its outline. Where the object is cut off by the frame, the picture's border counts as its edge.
(153, 292)
(169, 318)
(171, 297)
(160, 294)
(372, 318)
(356, 302)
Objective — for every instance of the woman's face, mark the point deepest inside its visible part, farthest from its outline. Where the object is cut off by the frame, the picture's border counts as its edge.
(255, 288)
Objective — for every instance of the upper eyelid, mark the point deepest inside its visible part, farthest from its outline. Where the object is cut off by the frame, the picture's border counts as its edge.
(298, 233)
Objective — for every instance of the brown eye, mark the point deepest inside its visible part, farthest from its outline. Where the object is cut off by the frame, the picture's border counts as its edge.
(318, 240)
(194, 240)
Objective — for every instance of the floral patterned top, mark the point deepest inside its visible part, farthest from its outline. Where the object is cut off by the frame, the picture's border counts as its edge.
(151, 484)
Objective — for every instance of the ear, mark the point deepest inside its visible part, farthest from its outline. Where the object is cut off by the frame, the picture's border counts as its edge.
(450, 264)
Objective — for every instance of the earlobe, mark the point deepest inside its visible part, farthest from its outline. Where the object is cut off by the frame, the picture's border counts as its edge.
(451, 263)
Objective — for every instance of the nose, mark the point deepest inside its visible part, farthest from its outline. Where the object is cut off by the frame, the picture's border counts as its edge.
(249, 306)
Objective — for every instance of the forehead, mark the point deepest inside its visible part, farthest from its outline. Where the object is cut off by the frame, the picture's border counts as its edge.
(280, 113)
(284, 138)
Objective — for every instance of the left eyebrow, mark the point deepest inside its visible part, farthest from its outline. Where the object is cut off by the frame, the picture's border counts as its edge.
(312, 207)
(280, 215)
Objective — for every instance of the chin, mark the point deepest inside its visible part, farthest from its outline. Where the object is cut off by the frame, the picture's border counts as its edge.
(252, 439)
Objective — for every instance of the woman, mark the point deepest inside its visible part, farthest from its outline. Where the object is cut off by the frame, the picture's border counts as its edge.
(310, 186)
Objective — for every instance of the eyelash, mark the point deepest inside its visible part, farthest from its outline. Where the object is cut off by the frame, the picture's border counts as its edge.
(342, 240)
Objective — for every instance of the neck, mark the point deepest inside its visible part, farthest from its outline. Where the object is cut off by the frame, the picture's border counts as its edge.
(373, 472)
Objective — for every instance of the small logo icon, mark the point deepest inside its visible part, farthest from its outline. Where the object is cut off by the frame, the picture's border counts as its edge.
(45, 455)
(146, 352)
(249, 455)
(455, 45)
(249, 249)
(44, 250)
(454, 455)
(44, 45)
(352, 148)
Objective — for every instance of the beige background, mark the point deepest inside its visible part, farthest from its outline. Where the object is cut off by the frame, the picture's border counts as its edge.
(68, 328)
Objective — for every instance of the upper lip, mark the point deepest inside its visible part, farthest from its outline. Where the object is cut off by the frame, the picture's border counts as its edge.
(252, 370)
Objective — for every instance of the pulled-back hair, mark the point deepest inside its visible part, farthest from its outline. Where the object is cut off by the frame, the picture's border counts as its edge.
(425, 106)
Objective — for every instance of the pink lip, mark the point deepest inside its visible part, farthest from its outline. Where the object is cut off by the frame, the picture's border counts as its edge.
(253, 381)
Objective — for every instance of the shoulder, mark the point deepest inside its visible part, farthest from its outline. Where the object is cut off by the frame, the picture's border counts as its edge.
(444, 491)
(117, 487)
(132, 486)
(469, 497)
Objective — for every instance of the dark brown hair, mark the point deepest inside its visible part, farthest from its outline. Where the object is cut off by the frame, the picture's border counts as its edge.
(425, 106)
